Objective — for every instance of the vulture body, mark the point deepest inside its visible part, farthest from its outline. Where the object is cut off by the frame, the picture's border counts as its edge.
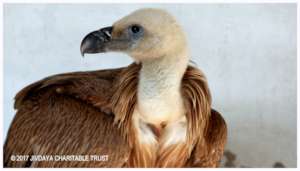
(153, 113)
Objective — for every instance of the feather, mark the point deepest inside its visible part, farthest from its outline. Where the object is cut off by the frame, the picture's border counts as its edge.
(89, 113)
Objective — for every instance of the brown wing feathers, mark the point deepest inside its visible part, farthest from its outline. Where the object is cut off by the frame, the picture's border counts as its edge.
(61, 122)
(65, 114)
(197, 101)
(92, 87)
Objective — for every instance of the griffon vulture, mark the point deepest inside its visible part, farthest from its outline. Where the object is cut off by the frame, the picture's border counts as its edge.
(155, 112)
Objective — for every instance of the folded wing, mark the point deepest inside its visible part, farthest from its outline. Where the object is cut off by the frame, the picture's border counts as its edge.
(67, 114)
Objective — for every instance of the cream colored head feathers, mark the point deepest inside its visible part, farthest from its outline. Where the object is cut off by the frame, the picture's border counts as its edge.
(161, 36)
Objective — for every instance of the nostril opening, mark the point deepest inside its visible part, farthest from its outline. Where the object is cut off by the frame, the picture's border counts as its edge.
(99, 36)
(107, 32)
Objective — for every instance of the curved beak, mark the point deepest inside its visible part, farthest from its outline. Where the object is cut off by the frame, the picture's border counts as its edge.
(96, 41)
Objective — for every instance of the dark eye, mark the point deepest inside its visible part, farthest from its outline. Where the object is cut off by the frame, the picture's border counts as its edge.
(135, 29)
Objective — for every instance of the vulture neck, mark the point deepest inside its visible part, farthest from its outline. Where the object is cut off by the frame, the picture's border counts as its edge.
(159, 88)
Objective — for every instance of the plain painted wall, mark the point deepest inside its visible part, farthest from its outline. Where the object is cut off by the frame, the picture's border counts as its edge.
(247, 51)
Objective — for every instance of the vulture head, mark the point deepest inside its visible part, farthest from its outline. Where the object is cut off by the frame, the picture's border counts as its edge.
(144, 35)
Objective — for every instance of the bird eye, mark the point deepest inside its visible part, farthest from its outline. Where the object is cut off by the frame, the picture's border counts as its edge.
(135, 29)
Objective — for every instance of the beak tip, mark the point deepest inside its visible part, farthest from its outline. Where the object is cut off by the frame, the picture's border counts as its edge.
(82, 51)
(82, 54)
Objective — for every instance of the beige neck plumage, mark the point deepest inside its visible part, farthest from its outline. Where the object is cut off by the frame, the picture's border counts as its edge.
(159, 116)
(159, 94)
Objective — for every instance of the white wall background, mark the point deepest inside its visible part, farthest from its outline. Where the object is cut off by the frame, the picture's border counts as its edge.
(248, 52)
